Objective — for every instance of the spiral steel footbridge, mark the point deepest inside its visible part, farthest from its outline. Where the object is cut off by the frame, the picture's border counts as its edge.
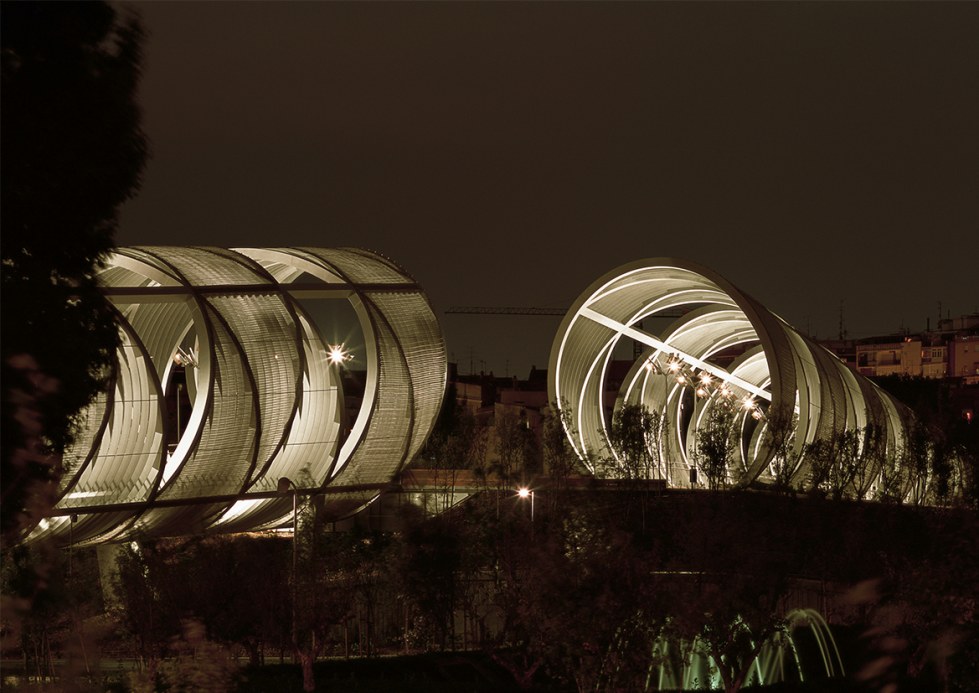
(261, 391)
(726, 350)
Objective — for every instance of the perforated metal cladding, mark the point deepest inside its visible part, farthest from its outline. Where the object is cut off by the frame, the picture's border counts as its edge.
(120, 276)
(782, 369)
(360, 267)
(286, 264)
(262, 400)
(127, 460)
(203, 267)
(309, 450)
(782, 362)
(91, 424)
(838, 411)
(160, 327)
(896, 419)
(244, 260)
(580, 382)
(315, 433)
(224, 454)
(384, 445)
(417, 331)
(266, 333)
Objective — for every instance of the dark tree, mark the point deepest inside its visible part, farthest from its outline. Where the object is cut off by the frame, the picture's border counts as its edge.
(940, 459)
(558, 458)
(633, 436)
(834, 460)
(253, 614)
(459, 441)
(716, 445)
(72, 154)
(430, 562)
(516, 448)
(147, 607)
(35, 595)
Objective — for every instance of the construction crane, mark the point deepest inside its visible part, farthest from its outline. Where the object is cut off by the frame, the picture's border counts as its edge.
(505, 310)
(536, 310)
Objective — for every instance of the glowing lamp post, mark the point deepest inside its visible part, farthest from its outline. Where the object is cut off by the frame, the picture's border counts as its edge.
(524, 492)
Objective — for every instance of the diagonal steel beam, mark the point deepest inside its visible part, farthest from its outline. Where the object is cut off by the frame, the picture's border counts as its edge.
(649, 340)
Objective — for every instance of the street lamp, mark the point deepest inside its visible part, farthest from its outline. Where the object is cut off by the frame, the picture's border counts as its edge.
(525, 492)
(285, 483)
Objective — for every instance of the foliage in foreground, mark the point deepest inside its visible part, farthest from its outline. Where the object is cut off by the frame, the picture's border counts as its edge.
(579, 599)
(72, 154)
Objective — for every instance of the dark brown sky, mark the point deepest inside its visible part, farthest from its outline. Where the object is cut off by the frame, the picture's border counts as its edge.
(510, 153)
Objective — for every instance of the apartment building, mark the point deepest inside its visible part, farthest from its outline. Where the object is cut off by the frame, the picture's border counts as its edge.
(963, 358)
(952, 351)
(885, 356)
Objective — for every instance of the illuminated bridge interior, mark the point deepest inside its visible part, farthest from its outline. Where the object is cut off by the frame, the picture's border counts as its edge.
(725, 351)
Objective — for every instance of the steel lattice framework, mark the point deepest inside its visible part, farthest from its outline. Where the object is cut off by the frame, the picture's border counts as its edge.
(725, 348)
(266, 402)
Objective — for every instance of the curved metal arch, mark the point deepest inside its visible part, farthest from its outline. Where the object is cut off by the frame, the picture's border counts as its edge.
(405, 357)
(768, 364)
(265, 404)
(215, 459)
(137, 467)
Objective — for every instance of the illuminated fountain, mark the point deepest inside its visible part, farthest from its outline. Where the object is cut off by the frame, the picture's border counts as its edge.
(686, 665)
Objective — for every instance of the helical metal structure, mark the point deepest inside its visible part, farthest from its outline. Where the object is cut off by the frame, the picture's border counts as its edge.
(266, 399)
(701, 344)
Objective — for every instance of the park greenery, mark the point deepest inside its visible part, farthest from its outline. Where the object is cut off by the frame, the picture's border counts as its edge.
(579, 598)
(602, 588)
(599, 587)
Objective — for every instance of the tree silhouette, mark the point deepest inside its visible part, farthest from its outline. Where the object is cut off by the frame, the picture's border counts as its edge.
(516, 450)
(73, 153)
(634, 438)
(716, 444)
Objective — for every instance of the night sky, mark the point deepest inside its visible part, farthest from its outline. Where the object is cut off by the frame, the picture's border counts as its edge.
(511, 153)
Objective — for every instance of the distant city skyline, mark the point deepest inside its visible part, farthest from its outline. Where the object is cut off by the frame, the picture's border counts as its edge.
(511, 153)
